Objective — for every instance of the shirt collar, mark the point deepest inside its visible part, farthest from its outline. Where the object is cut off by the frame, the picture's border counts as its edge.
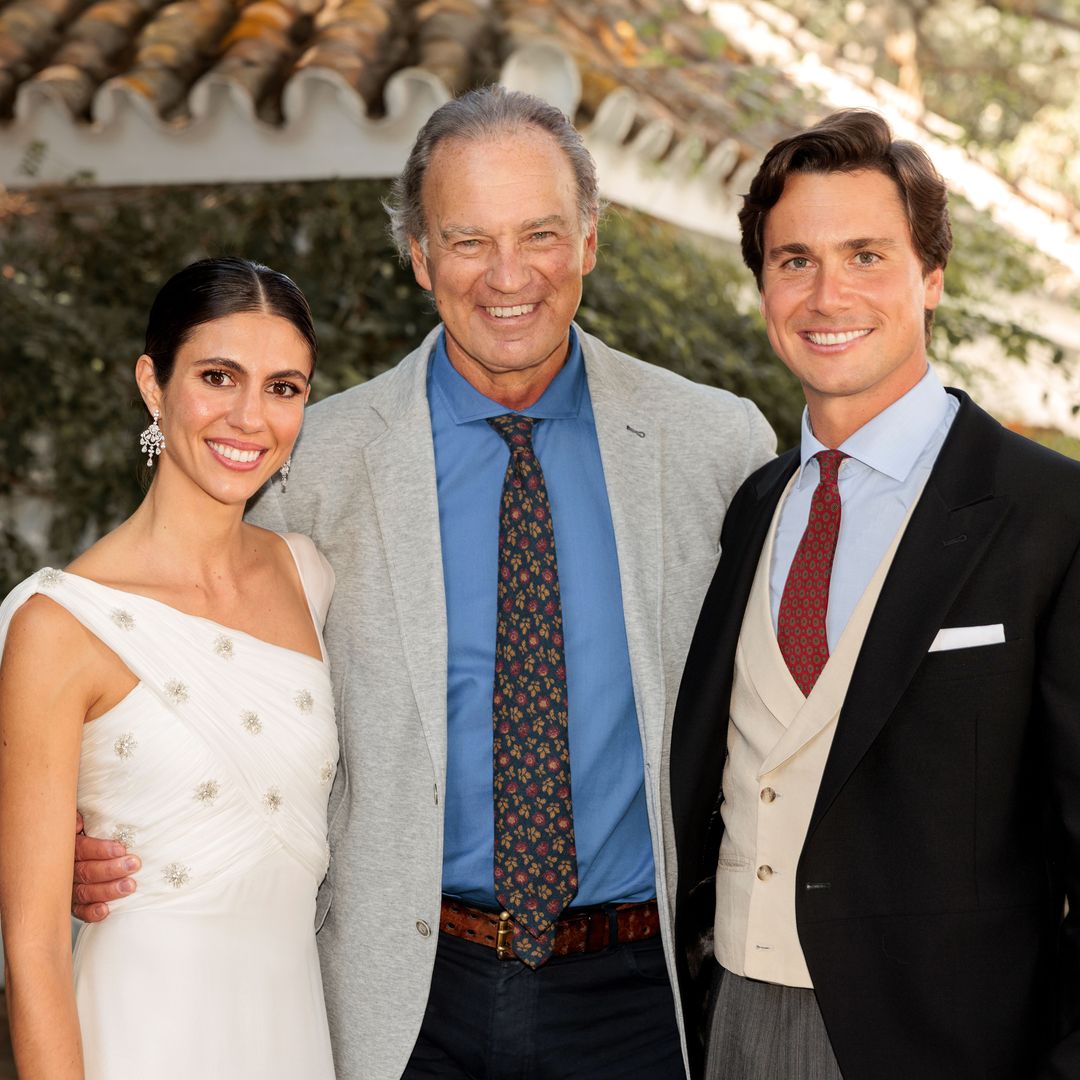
(562, 400)
(892, 441)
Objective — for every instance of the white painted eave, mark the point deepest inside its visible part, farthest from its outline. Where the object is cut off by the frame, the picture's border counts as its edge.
(326, 133)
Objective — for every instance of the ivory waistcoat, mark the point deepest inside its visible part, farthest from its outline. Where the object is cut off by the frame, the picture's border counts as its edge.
(778, 743)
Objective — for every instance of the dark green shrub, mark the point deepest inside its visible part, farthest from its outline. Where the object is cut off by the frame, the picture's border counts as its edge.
(79, 270)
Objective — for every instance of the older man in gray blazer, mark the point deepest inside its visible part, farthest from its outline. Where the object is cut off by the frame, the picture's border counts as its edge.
(453, 946)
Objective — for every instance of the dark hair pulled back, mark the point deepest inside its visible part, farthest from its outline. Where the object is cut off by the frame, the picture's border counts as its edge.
(212, 289)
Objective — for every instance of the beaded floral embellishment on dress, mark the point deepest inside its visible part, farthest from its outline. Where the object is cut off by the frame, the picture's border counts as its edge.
(48, 578)
(176, 874)
(207, 791)
(124, 834)
(223, 646)
(273, 800)
(176, 691)
(125, 745)
(304, 701)
(326, 773)
(124, 619)
(251, 722)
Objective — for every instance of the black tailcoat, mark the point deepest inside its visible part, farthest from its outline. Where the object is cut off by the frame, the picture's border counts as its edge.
(946, 832)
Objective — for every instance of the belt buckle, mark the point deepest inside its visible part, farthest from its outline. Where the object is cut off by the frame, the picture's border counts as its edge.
(504, 935)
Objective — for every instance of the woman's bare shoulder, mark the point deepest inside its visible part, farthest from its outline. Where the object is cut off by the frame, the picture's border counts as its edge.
(43, 627)
(53, 665)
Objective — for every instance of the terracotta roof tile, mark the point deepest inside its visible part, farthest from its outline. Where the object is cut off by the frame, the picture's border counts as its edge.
(650, 76)
(91, 46)
(161, 49)
(363, 41)
(683, 74)
(29, 31)
(176, 45)
(455, 40)
(259, 50)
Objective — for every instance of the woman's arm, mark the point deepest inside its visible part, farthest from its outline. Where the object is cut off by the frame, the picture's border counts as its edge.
(47, 686)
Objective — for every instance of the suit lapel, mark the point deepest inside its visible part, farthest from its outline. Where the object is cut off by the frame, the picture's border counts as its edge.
(768, 488)
(711, 661)
(630, 450)
(949, 531)
(401, 469)
(697, 750)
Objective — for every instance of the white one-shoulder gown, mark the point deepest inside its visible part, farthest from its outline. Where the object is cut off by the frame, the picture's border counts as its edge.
(215, 769)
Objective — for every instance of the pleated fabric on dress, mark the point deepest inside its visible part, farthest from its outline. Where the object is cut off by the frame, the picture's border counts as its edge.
(216, 770)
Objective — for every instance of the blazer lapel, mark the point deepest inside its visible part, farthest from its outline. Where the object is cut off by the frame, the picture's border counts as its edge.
(768, 488)
(711, 661)
(401, 469)
(697, 753)
(630, 447)
(950, 529)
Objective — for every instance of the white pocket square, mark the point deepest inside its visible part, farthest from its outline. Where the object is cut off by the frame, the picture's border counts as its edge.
(967, 637)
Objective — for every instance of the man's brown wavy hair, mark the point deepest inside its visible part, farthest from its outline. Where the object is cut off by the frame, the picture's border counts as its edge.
(853, 140)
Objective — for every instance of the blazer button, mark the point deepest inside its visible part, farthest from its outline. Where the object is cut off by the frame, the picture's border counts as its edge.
(767, 794)
(764, 872)
(422, 928)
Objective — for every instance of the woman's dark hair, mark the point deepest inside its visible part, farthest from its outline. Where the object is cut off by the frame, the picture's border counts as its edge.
(211, 289)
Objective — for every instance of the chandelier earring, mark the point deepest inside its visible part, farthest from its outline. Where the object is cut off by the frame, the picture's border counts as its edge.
(283, 472)
(152, 440)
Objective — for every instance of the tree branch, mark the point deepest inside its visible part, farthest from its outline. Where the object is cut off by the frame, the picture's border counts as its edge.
(1027, 8)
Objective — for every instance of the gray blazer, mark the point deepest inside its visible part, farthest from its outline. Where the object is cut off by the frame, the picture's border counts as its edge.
(363, 487)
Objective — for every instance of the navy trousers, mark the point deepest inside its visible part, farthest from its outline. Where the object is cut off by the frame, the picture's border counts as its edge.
(602, 1016)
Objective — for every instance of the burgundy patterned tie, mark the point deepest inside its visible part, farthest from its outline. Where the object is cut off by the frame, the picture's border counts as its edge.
(800, 623)
(535, 858)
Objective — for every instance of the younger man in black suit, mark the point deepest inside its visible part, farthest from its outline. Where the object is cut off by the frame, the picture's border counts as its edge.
(876, 755)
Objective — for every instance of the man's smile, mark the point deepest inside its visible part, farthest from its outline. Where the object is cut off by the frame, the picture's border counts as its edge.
(510, 312)
(834, 337)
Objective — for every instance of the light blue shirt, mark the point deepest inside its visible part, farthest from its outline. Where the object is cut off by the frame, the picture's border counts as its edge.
(607, 771)
(889, 459)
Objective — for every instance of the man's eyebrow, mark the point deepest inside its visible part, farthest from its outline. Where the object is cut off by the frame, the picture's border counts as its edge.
(861, 242)
(787, 249)
(447, 231)
(544, 222)
(235, 365)
(858, 243)
(451, 230)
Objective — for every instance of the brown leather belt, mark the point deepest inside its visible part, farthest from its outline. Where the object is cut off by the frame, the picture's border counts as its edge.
(578, 931)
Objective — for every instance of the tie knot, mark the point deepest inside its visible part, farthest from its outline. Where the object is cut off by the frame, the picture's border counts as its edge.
(829, 464)
(516, 430)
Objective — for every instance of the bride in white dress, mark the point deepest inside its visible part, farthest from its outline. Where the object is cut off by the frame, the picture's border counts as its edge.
(171, 685)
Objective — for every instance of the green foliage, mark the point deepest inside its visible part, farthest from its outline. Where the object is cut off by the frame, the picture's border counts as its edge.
(662, 297)
(987, 264)
(1005, 71)
(80, 271)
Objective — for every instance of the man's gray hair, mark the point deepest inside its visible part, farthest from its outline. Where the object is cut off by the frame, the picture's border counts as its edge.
(486, 113)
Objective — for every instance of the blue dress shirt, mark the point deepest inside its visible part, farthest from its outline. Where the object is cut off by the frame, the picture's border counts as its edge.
(889, 459)
(607, 772)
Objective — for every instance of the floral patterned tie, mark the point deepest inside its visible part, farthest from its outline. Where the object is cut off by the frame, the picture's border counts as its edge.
(535, 857)
(800, 623)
